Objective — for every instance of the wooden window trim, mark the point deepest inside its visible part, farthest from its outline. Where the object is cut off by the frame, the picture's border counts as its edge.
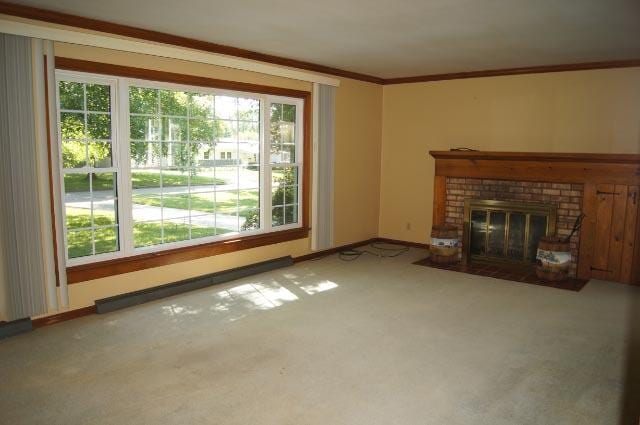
(95, 270)
(50, 173)
(70, 64)
(84, 272)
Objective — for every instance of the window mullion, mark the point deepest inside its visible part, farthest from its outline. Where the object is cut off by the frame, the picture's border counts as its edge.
(299, 135)
(125, 213)
(265, 160)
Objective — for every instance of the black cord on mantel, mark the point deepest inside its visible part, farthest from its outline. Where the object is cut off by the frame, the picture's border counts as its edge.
(463, 150)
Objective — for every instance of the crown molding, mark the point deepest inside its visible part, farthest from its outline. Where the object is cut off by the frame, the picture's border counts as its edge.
(63, 34)
(76, 21)
(515, 71)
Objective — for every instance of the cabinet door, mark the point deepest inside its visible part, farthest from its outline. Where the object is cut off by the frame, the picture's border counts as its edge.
(630, 263)
(611, 231)
(604, 214)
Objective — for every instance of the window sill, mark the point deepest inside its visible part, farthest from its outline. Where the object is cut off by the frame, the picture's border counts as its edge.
(84, 272)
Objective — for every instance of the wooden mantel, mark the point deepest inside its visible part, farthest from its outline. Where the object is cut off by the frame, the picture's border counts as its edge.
(610, 234)
(534, 166)
(540, 156)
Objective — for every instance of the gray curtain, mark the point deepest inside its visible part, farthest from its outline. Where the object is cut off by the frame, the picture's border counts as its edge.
(323, 169)
(21, 244)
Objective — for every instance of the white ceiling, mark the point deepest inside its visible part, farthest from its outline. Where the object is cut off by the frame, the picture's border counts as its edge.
(392, 38)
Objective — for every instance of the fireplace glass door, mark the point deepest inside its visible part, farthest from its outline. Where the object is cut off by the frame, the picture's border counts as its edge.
(506, 231)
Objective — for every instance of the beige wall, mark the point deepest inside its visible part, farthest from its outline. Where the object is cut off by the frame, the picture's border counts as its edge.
(584, 111)
(357, 161)
(384, 175)
(357, 173)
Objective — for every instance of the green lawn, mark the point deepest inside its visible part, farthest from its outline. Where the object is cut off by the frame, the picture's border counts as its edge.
(170, 179)
(79, 217)
(79, 242)
(225, 201)
(145, 234)
(139, 180)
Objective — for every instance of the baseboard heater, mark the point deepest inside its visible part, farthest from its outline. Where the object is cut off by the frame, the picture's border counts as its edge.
(15, 327)
(130, 299)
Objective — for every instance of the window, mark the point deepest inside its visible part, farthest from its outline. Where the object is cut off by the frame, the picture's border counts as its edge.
(140, 171)
(284, 174)
(90, 171)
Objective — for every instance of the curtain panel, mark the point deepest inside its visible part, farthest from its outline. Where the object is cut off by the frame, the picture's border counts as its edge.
(28, 274)
(323, 156)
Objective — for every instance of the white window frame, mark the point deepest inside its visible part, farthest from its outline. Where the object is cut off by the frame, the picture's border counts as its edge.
(299, 156)
(115, 161)
(122, 161)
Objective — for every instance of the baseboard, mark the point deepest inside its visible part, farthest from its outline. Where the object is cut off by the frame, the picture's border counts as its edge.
(139, 297)
(131, 299)
(63, 316)
(406, 243)
(15, 327)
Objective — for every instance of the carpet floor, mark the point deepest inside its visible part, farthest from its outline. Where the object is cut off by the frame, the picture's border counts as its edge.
(371, 341)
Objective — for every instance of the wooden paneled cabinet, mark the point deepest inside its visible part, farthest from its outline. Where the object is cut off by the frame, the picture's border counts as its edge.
(610, 232)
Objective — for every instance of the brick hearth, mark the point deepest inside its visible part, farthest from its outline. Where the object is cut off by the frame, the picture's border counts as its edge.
(566, 197)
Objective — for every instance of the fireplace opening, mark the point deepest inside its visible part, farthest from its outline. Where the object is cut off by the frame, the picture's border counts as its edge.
(504, 231)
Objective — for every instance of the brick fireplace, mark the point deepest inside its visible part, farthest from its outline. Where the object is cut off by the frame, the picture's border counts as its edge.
(604, 187)
(566, 197)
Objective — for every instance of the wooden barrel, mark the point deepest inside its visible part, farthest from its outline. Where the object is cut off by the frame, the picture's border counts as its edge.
(445, 244)
(553, 259)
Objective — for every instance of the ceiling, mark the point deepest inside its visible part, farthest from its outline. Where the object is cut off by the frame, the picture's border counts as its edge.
(392, 38)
